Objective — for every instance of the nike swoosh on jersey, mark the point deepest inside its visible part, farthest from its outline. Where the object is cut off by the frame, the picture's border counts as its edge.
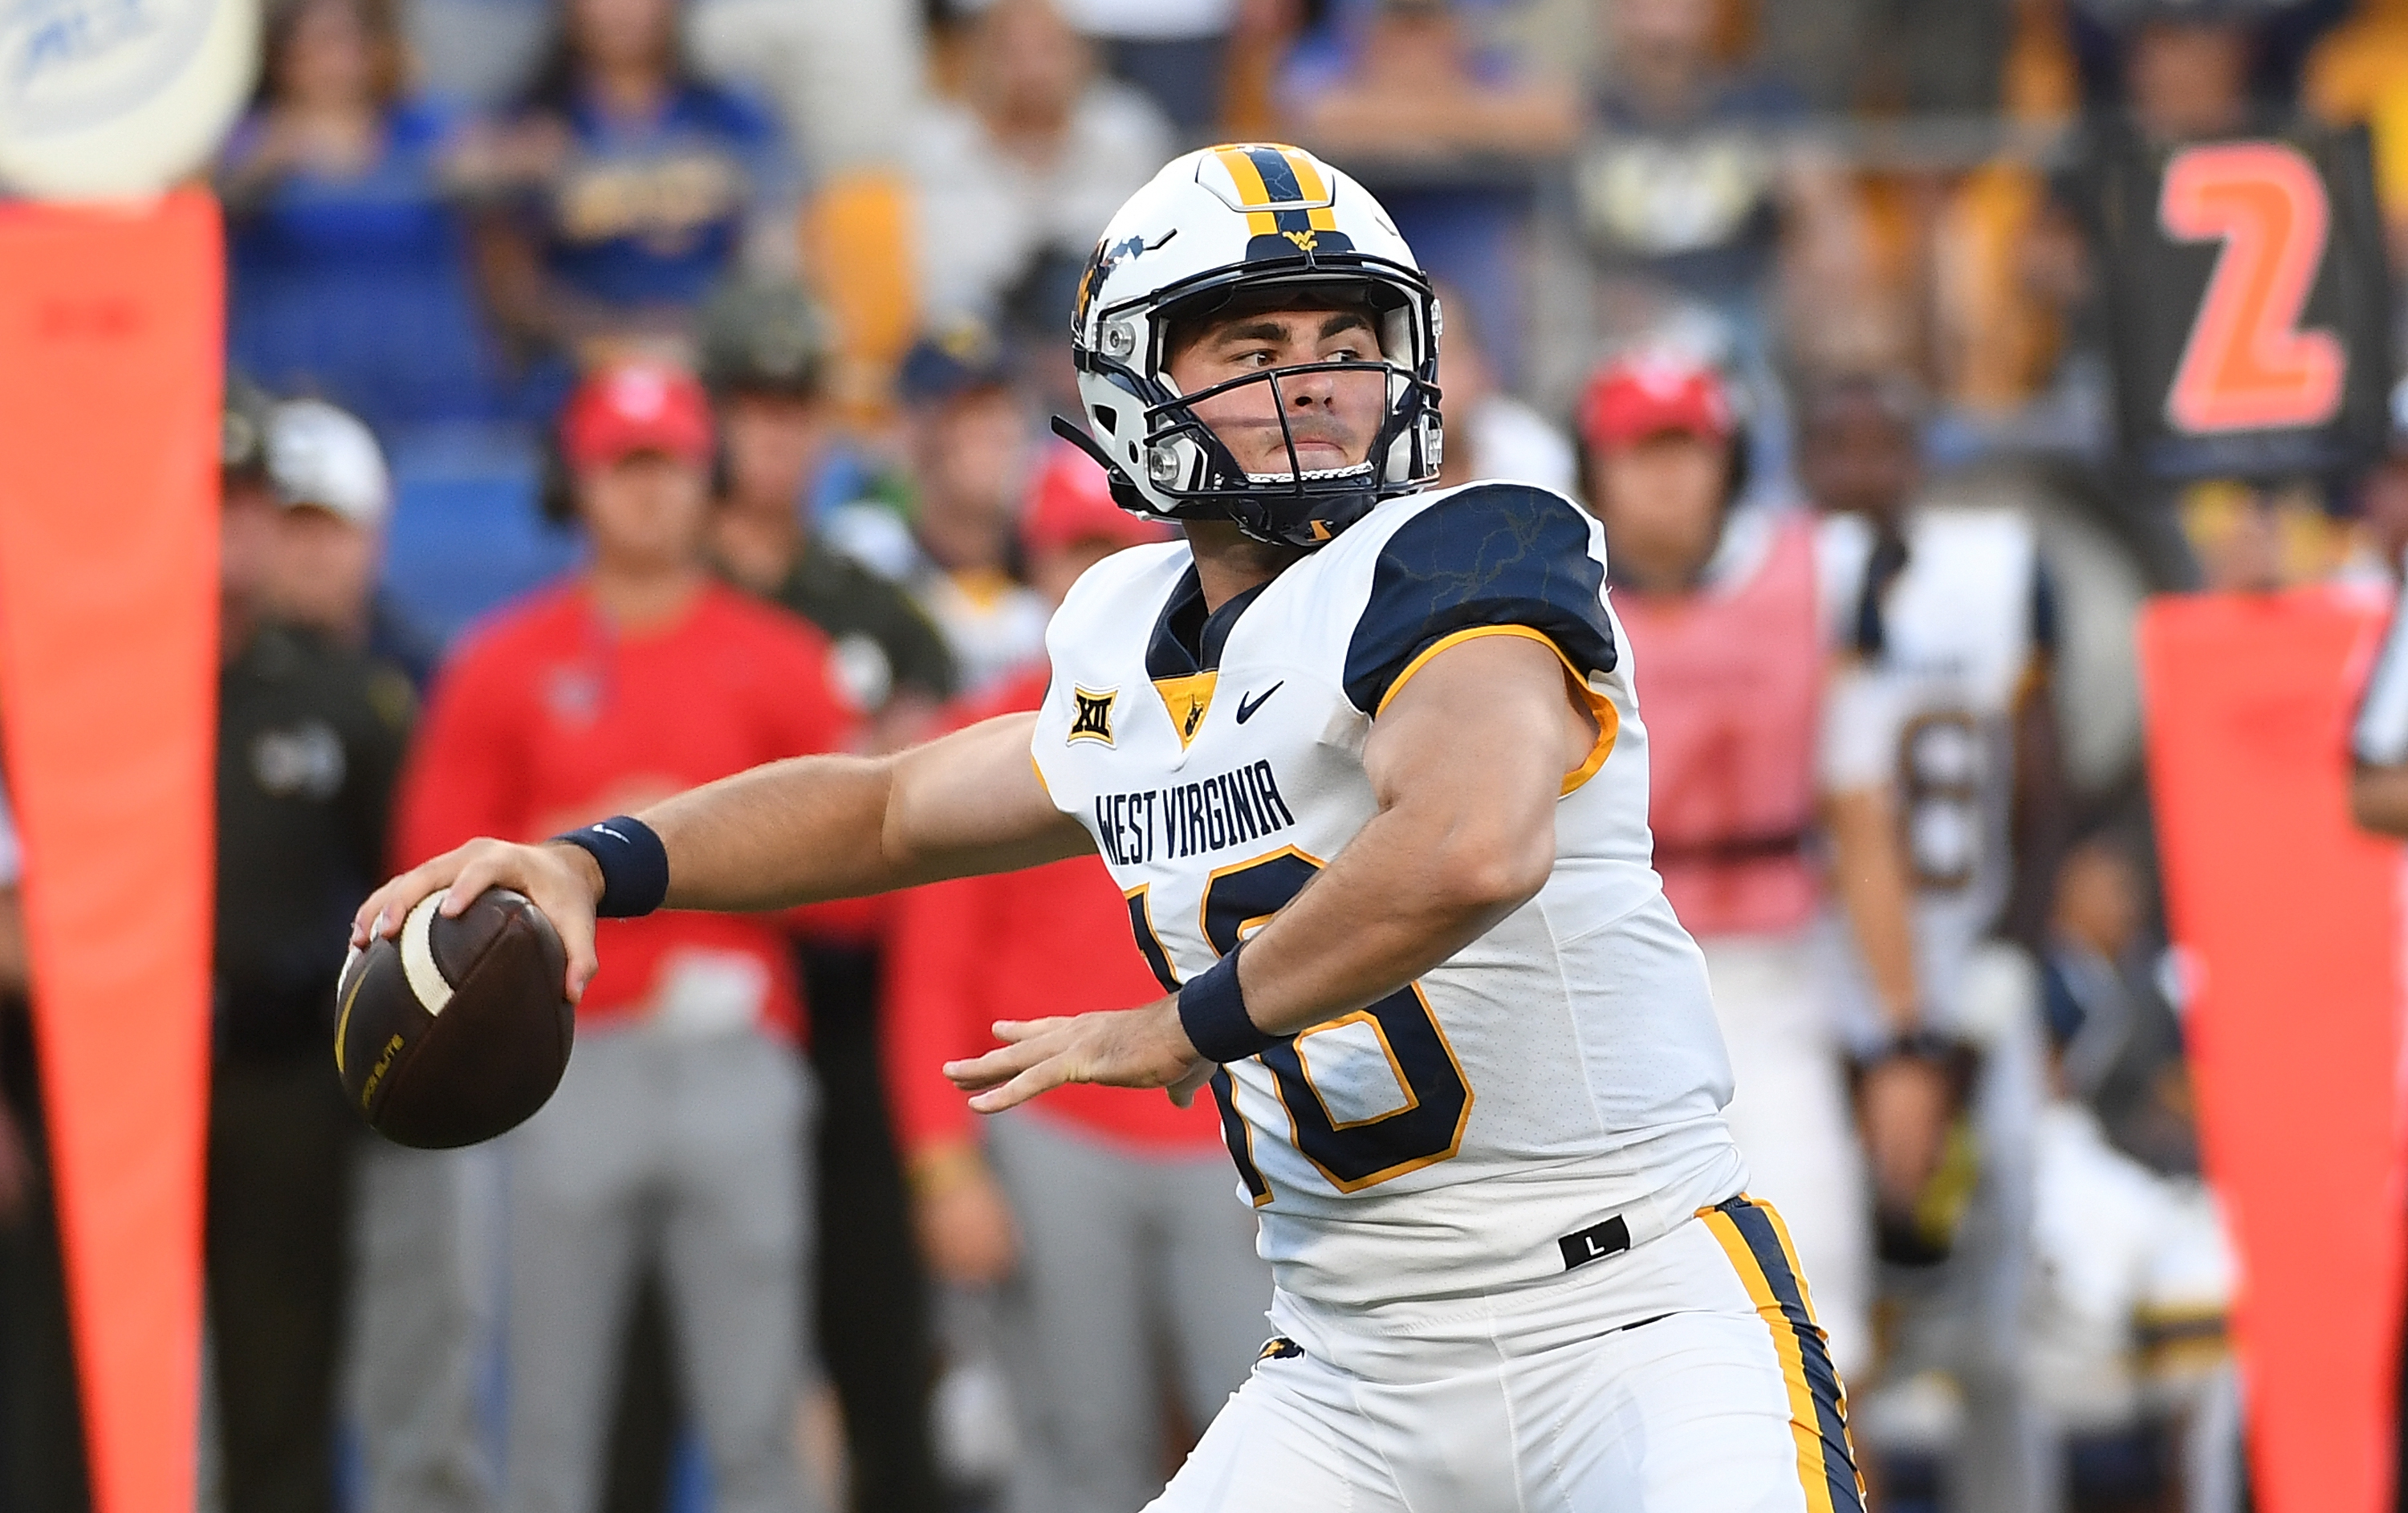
(1246, 706)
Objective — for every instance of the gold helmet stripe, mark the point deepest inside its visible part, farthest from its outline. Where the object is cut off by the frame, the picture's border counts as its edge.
(1308, 182)
(1252, 190)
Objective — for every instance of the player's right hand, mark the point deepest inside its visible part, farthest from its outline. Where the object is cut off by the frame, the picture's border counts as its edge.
(563, 881)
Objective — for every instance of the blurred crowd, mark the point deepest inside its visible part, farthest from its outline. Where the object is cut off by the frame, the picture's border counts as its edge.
(626, 392)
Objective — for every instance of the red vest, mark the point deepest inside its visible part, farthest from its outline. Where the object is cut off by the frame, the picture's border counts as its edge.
(1727, 680)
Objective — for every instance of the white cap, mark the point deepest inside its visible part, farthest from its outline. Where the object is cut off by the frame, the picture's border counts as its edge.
(320, 455)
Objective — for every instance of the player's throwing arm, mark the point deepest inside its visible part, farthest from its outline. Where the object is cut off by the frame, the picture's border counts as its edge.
(792, 831)
(1466, 764)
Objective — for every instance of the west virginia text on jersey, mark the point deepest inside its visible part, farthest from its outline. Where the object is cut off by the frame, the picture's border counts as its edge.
(1560, 1071)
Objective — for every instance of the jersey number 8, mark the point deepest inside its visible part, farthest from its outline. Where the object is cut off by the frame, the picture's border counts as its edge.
(1353, 1154)
(1940, 781)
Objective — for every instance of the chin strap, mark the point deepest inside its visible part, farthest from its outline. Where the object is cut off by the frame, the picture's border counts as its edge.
(1123, 493)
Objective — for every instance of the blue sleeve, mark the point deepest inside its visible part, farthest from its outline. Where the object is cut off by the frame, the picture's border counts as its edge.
(1493, 554)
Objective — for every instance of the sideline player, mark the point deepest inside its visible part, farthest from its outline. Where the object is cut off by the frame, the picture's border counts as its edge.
(1366, 762)
(1945, 616)
(1723, 609)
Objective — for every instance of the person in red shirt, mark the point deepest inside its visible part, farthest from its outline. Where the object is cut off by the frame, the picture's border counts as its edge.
(676, 1138)
(1103, 1214)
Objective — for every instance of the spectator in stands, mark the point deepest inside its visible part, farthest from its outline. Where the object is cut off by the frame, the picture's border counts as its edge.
(765, 355)
(1402, 79)
(310, 735)
(1175, 51)
(348, 268)
(2280, 36)
(1444, 132)
(968, 441)
(1015, 182)
(1260, 33)
(2187, 70)
(676, 1140)
(845, 78)
(1104, 1219)
(632, 185)
(1693, 178)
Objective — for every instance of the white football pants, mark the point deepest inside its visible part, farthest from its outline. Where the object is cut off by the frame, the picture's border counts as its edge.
(1685, 1376)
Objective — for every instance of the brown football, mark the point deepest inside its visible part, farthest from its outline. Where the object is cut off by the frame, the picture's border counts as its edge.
(455, 1029)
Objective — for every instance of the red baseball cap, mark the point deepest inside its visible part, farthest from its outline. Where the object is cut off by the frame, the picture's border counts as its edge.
(1645, 394)
(631, 407)
(1071, 501)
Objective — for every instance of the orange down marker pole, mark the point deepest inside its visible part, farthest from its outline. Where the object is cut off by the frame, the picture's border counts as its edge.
(2287, 917)
(110, 345)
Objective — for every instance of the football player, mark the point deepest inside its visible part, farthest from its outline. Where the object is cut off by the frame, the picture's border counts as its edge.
(1365, 760)
(1945, 624)
(1723, 609)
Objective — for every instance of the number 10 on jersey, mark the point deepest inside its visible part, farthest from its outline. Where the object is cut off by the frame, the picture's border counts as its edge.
(1351, 1153)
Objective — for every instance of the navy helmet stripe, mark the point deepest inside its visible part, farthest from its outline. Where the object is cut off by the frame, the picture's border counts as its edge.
(1755, 1226)
(1279, 175)
(1278, 183)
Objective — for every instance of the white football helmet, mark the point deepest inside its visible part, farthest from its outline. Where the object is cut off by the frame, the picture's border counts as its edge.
(1248, 218)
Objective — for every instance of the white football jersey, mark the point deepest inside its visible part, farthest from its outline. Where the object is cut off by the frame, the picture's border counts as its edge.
(1550, 1093)
(1939, 656)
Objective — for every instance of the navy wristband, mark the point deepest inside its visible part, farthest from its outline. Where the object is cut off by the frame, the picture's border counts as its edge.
(635, 864)
(1213, 1013)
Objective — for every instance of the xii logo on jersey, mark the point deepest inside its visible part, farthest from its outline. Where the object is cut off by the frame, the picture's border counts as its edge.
(1093, 719)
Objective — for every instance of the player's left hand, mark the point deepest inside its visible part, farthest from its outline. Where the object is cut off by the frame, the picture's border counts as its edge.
(1127, 1048)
